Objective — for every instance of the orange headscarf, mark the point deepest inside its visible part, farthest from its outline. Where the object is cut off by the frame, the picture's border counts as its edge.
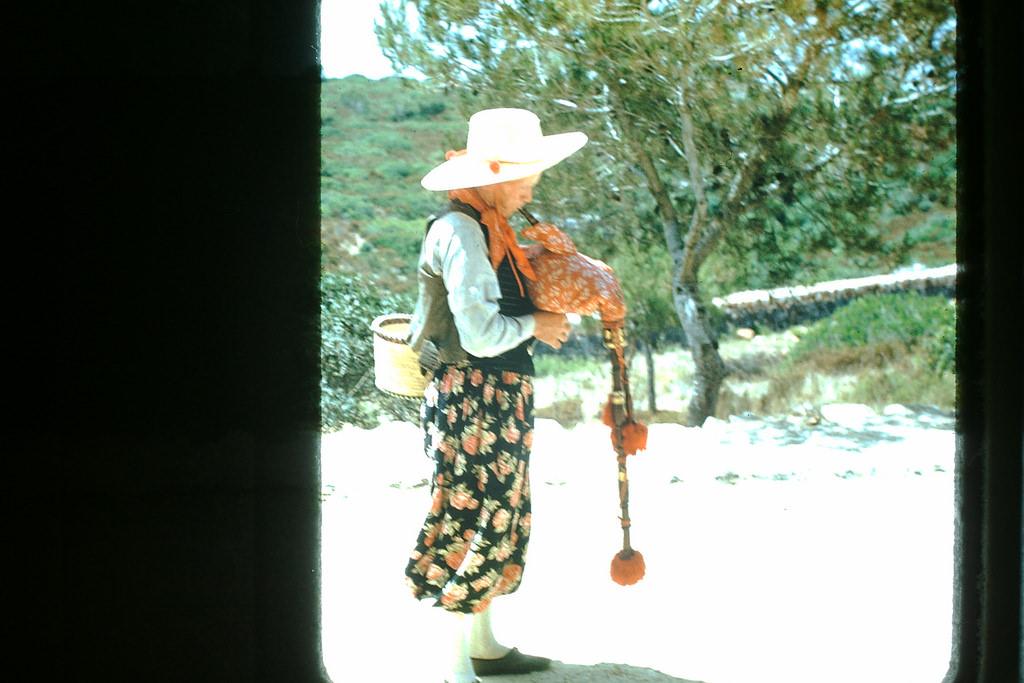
(501, 236)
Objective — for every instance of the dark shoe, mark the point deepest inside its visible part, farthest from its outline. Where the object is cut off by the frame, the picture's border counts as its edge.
(514, 662)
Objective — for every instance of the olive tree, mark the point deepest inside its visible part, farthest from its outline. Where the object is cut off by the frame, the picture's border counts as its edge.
(773, 128)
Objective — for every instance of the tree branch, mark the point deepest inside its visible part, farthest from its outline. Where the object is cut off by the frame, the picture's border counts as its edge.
(700, 246)
(656, 187)
(698, 220)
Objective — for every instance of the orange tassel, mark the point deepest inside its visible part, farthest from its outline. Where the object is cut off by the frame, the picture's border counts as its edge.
(634, 437)
(634, 434)
(627, 570)
(606, 414)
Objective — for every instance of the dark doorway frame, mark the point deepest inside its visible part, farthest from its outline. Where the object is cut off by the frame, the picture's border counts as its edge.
(165, 303)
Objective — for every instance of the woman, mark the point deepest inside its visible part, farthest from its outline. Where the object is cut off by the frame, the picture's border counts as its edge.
(475, 326)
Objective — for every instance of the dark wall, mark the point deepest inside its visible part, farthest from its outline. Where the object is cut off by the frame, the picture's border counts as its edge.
(987, 632)
(162, 243)
(165, 275)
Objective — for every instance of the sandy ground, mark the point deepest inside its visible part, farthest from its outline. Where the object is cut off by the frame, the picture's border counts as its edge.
(773, 553)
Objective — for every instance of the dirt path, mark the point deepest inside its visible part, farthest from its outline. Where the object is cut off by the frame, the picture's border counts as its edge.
(808, 563)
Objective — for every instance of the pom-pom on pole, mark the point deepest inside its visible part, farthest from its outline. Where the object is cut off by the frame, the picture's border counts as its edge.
(628, 434)
(627, 567)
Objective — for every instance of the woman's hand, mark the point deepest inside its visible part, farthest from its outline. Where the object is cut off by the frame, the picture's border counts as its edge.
(551, 328)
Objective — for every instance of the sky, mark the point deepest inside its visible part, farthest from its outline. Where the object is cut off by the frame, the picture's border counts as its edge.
(347, 42)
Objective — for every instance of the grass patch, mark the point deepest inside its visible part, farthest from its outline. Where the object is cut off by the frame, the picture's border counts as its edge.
(877, 351)
(759, 382)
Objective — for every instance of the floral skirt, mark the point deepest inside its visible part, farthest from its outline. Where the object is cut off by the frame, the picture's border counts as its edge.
(478, 429)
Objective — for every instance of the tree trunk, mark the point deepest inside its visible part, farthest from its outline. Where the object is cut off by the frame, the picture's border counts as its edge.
(687, 256)
(652, 403)
(709, 369)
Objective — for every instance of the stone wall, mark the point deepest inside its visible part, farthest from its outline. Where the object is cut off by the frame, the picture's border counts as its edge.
(783, 307)
(777, 309)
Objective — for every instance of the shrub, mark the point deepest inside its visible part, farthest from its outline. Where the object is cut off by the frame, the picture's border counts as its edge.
(909, 382)
(937, 227)
(898, 348)
(348, 395)
(389, 141)
(343, 170)
(940, 348)
(395, 170)
(349, 207)
(416, 206)
(403, 238)
(885, 319)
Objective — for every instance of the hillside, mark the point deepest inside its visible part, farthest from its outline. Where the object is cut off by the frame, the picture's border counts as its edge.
(380, 137)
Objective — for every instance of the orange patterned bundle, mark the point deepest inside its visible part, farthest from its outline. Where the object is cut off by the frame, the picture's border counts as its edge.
(568, 281)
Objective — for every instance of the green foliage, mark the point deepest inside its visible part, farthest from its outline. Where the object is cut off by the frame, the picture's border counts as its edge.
(936, 228)
(396, 170)
(552, 364)
(401, 238)
(390, 141)
(821, 139)
(335, 168)
(347, 207)
(799, 122)
(378, 139)
(348, 306)
(940, 347)
(906, 380)
(780, 244)
(763, 379)
(642, 273)
(911, 321)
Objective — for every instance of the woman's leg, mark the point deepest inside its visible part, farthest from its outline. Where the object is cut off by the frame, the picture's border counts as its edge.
(491, 658)
(482, 643)
(460, 667)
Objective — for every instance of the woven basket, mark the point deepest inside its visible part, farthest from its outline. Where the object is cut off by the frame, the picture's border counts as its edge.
(395, 365)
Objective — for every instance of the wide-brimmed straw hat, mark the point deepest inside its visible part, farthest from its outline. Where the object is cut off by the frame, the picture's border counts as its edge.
(502, 145)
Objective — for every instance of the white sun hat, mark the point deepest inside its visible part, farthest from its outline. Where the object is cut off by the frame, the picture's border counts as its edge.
(502, 144)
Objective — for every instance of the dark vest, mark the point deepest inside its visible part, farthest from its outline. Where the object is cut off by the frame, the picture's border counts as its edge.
(513, 303)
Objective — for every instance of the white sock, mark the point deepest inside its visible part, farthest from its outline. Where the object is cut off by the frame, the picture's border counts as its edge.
(460, 668)
(482, 643)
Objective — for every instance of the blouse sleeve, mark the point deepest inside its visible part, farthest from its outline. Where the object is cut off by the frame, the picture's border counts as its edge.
(459, 254)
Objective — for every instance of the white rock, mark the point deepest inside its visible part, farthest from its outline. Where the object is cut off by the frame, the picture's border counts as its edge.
(897, 410)
(850, 415)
